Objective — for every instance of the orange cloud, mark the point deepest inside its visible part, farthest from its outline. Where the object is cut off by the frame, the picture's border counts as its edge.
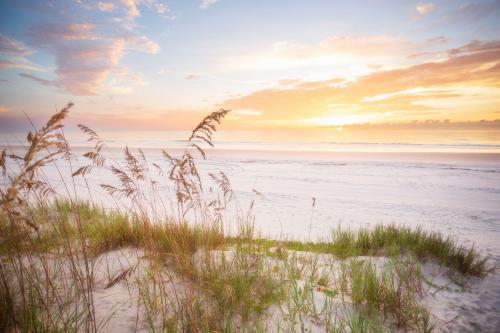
(412, 91)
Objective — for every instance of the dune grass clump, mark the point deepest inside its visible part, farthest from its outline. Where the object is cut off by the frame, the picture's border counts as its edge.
(110, 230)
(415, 241)
(103, 230)
(387, 240)
(394, 293)
(238, 284)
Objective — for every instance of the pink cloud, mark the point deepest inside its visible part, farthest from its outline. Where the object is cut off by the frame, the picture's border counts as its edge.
(84, 57)
(87, 52)
(105, 6)
(82, 68)
(14, 55)
(143, 43)
(12, 47)
(56, 32)
(474, 47)
(18, 63)
(132, 7)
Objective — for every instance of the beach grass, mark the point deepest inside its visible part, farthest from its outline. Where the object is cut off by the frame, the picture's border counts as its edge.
(383, 240)
(235, 279)
(103, 230)
(187, 274)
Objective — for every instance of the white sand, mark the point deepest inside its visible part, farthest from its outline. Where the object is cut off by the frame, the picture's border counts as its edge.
(453, 309)
(457, 194)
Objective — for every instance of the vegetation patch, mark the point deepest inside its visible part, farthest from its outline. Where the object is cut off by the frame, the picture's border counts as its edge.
(383, 240)
(185, 274)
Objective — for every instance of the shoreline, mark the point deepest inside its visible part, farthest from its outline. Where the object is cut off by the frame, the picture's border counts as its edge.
(489, 157)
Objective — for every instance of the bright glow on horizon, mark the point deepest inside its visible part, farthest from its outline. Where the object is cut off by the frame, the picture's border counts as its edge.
(344, 120)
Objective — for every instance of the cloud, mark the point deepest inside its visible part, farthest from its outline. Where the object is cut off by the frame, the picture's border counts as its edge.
(14, 54)
(39, 80)
(430, 124)
(48, 33)
(164, 71)
(157, 6)
(425, 8)
(86, 55)
(143, 43)
(117, 90)
(118, 117)
(473, 14)
(469, 48)
(12, 47)
(18, 63)
(105, 6)
(83, 58)
(341, 52)
(474, 47)
(82, 69)
(248, 112)
(207, 3)
(195, 76)
(374, 66)
(4, 109)
(133, 77)
(469, 79)
(132, 8)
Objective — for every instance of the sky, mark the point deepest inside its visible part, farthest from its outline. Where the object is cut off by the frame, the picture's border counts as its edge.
(277, 64)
